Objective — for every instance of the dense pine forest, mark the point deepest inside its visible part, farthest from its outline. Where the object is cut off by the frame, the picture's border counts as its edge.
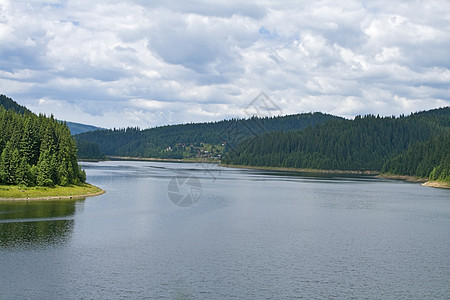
(89, 150)
(36, 150)
(193, 140)
(430, 159)
(365, 143)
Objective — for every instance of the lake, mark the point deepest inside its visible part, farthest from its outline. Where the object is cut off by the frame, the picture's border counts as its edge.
(200, 231)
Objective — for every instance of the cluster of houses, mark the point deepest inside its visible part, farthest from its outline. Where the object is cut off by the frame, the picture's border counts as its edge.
(199, 152)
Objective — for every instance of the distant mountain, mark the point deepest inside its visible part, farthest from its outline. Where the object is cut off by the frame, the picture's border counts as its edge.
(195, 140)
(77, 128)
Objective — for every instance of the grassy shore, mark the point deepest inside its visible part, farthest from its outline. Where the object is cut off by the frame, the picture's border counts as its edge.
(14, 192)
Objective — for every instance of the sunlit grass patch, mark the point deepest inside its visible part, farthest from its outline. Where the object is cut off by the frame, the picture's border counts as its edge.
(23, 192)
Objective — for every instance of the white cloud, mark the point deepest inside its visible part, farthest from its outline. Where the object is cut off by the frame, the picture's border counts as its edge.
(125, 63)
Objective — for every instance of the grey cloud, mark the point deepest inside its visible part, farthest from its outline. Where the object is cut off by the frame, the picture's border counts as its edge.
(208, 60)
(18, 58)
(219, 8)
(199, 43)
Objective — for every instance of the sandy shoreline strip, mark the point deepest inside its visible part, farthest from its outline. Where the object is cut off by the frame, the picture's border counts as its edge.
(180, 160)
(423, 181)
(144, 158)
(437, 184)
(404, 178)
(302, 170)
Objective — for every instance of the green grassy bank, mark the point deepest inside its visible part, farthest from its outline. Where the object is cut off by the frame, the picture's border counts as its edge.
(15, 192)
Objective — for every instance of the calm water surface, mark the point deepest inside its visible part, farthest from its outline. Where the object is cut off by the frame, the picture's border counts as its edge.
(250, 234)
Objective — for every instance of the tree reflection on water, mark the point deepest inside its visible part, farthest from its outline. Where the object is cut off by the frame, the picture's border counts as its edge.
(36, 223)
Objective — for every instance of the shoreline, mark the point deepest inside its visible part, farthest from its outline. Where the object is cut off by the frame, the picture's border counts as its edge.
(415, 179)
(303, 170)
(181, 160)
(407, 178)
(91, 159)
(98, 192)
(143, 158)
(437, 184)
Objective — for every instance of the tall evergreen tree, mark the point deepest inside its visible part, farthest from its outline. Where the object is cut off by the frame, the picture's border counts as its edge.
(44, 169)
(6, 175)
(23, 173)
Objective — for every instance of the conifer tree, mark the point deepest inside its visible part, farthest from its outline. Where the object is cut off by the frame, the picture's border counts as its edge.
(23, 174)
(44, 170)
(5, 164)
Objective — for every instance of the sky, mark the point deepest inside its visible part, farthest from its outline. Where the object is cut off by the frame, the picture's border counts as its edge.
(141, 63)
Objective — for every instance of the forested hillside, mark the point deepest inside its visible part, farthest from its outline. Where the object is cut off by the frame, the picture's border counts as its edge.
(36, 150)
(429, 159)
(365, 143)
(194, 140)
(89, 150)
(10, 104)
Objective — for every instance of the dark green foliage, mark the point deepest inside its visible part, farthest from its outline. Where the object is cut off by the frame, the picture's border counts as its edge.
(361, 144)
(23, 174)
(10, 104)
(89, 150)
(184, 139)
(36, 150)
(442, 171)
(430, 159)
(8, 164)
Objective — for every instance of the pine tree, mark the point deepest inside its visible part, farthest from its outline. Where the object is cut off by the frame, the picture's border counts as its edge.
(29, 146)
(23, 174)
(5, 164)
(44, 170)
(14, 166)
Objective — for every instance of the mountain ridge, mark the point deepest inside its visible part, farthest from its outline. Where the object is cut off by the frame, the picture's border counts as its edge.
(209, 139)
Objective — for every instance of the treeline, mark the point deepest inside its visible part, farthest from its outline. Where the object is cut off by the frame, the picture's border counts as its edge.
(155, 142)
(37, 150)
(365, 143)
(429, 159)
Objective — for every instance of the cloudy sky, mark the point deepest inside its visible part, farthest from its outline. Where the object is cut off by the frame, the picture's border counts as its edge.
(144, 63)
